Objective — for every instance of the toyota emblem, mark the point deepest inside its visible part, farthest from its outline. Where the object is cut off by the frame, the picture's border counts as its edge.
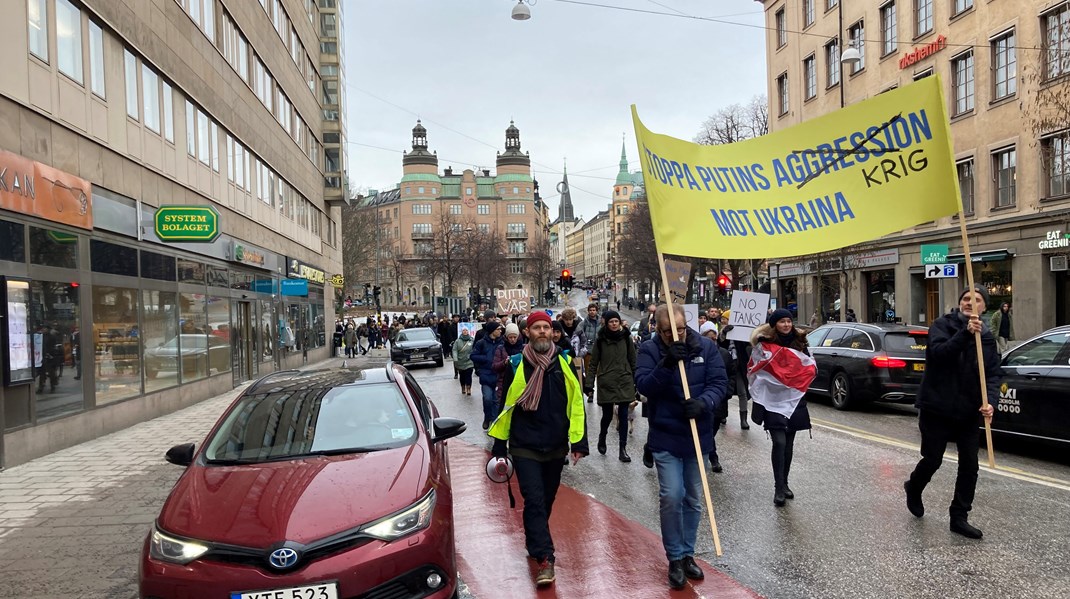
(280, 559)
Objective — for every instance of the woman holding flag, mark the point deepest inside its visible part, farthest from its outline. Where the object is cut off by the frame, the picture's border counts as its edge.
(780, 370)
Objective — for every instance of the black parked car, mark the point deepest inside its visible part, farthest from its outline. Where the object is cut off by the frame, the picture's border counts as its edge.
(1036, 388)
(859, 362)
(417, 345)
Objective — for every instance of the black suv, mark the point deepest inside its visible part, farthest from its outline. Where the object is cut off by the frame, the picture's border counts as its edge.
(416, 345)
(868, 362)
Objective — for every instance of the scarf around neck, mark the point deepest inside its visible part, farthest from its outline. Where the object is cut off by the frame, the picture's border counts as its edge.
(529, 399)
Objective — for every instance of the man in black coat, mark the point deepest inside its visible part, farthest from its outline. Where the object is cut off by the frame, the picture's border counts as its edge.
(949, 404)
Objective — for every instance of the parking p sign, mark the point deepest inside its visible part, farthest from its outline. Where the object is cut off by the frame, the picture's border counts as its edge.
(942, 271)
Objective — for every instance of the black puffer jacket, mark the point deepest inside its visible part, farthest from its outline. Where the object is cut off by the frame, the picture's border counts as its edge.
(951, 385)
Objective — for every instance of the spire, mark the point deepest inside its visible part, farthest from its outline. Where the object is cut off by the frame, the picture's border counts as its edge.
(419, 153)
(512, 154)
(564, 211)
(622, 175)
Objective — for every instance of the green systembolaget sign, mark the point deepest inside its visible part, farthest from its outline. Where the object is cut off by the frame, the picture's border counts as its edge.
(187, 223)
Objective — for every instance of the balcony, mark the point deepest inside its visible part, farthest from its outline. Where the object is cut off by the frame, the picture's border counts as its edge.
(515, 234)
(420, 235)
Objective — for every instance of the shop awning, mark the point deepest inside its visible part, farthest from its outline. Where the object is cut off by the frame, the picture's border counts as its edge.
(982, 256)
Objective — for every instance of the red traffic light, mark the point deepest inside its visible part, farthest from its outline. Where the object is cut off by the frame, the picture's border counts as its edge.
(722, 281)
(566, 273)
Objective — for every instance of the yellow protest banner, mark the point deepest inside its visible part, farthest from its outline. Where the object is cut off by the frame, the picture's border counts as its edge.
(873, 168)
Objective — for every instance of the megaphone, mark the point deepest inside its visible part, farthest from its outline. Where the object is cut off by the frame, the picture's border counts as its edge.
(499, 470)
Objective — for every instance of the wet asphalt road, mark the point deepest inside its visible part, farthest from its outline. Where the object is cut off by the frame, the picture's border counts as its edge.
(847, 533)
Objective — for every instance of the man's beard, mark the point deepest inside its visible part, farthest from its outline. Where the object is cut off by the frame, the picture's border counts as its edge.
(542, 345)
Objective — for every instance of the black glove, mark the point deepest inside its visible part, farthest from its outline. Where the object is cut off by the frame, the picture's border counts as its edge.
(694, 408)
(499, 450)
(675, 352)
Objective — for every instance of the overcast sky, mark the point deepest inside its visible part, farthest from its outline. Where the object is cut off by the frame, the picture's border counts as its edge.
(566, 77)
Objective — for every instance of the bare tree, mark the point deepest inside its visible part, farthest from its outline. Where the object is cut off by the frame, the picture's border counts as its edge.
(736, 122)
(636, 251)
(358, 245)
(483, 257)
(400, 268)
(448, 246)
(541, 266)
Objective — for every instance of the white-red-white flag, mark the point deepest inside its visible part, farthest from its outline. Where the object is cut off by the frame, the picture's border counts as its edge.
(779, 377)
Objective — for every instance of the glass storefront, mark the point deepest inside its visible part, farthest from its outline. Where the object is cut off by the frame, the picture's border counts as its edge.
(117, 344)
(880, 297)
(159, 334)
(996, 277)
(54, 318)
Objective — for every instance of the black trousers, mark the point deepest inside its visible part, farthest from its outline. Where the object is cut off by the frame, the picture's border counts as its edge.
(936, 432)
(783, 450)
(538, 486)
(622, 421)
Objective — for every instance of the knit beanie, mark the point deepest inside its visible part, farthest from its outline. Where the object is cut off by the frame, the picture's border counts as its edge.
(778, 314)
(609, 315)
(512, 329)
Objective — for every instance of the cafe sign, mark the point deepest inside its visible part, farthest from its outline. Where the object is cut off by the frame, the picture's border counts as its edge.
(250, 256)
(1054, 240)
(338, 281)
(296, 269)
(39, 190)
(187, 223)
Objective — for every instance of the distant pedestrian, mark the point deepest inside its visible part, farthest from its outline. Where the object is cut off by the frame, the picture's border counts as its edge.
(949, 404)
(511, 345)
(781, 368)
(709, 331)
(350, 338)
(740, 352)
(612, 367)
(462, 360)
(483, 358)
(1002, 327)
(543, 422)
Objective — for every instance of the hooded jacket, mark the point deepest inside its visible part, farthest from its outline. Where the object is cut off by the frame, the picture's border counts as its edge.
(613, 366)
(951, 385)
(707, 381)
(462, 352)
(483, 358)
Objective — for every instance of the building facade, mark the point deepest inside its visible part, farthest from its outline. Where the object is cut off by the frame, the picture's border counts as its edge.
(596, 250)
(998, 61)
(574, 246)
(628, 190)
(445, 235)
(166, 221)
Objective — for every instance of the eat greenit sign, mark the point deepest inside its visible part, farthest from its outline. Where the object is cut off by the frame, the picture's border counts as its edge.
(187, 223)
(934, 253)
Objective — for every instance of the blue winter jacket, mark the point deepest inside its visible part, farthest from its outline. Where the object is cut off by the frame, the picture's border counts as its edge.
(483, 358)
(706, 378)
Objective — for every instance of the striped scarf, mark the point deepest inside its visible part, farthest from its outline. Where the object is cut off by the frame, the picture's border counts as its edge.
(529, 399)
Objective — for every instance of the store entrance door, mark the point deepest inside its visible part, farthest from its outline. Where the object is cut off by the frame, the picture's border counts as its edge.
(243, 342)
(932, 300)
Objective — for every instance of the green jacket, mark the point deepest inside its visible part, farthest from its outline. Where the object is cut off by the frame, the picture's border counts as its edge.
(613, 366)
(462, 353)
(997, 319)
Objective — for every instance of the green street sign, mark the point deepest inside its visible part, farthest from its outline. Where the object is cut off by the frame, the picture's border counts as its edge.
(934, 254)
(187, 223)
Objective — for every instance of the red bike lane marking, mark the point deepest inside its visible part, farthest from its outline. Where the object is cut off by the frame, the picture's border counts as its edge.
(599, 552)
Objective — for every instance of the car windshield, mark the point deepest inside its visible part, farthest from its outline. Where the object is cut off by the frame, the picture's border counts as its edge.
(907, 343)
(416, 335)
(287, 423)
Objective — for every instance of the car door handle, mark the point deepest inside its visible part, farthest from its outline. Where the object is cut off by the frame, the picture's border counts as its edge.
(1031, 374)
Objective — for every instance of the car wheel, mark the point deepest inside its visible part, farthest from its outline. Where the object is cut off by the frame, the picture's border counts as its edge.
(439, 361)
(841, 391)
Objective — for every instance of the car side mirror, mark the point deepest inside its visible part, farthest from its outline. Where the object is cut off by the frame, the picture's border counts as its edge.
(446, 428)
(180, 455)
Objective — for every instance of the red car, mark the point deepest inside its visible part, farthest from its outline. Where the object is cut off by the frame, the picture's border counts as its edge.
(326, 484)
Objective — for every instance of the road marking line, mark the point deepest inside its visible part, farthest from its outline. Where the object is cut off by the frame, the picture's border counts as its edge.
(1014, 473)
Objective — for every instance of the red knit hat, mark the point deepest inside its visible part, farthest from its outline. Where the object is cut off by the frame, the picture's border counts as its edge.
(538, 316)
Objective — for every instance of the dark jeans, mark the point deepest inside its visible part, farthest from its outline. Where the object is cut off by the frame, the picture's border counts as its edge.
(936, 432)
(466, 377)
(783, 448)
(622, 421)
(742, 393)
(538, 485)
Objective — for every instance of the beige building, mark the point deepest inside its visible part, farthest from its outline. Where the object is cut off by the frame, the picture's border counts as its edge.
(574, 261)
(168, 210)
(596, 249)
(441, 233)
(1013, 174)
(627, 192)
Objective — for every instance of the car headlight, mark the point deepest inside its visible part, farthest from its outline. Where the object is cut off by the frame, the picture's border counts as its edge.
(166, 548)
(413, 518)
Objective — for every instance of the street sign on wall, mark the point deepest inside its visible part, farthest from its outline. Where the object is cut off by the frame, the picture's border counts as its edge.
(942, 271)
(934, 253)
(187, 223)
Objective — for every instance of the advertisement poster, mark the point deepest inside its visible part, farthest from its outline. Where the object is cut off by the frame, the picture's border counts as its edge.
(18, 356)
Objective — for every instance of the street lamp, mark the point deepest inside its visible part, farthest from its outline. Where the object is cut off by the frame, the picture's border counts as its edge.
(521, 12)
(851, 56)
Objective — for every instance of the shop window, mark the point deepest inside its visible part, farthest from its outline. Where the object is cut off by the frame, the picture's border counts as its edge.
(291, 328)
(57, 348)
(996, 277)
(113, 259)
(157, 266)
(159, 337)
(219, 333)
(53, 248)
(217, 276)
(241, 280)
(117, 342)
(190, 271)
(880, 296)
(267, 331)
(12, 241)
(193, 338)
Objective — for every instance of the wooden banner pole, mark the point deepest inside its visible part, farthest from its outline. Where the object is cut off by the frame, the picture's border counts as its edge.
(977, 337)
(687, 397)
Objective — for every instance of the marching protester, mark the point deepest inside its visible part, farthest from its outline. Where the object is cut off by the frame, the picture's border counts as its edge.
(740, 352)
(511, 345)
(590, 325)
(648, 324)
(1001, 327)
(483, 358)
(709, 331)
(350, 339)
(542, 423)
(949, 404)
(669, 439)
(612, 367)
(779, 373)
(573, 333)
(462, 360)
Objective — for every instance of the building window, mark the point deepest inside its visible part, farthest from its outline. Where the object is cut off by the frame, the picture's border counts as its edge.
(857, 35)
(96, 60)
(203, 14)
(808, 13)
(832, 60)
(38, 23)
(483, 209)
(455, 209)
(420, 190)
(516, 209)
(781, 29)
(202, 137)
(516, 228)
(130, 66)
(782, 94)
(923, 74)
(516, 268)
(965, 173)
(889, 29)
(831, 4)
(923, 17)
(168, 113)
(118, 358)
(1004, 66)
(1003, 176)
(467, 191)
(421, 208)
(810, 76)
(962, 6)
(421, 228)
(962, 82)
(150, 89)
(69, 40)
(1055, 151)
(1057, 41)
(191, 130)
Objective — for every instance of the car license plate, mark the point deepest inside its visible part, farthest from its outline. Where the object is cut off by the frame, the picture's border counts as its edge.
(326, 590)
(919, 367)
